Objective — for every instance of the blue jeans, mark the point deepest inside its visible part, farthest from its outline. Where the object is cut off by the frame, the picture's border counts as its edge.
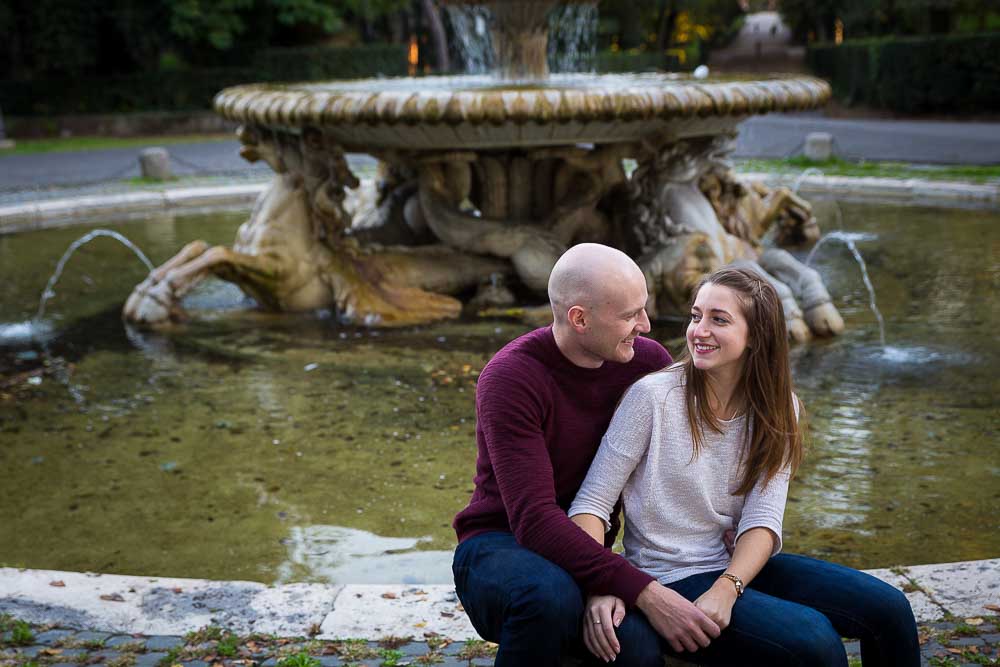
(793, 613)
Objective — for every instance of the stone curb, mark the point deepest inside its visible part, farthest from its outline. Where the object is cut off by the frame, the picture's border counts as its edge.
(894, 190)
(60, 212)
(171, 606)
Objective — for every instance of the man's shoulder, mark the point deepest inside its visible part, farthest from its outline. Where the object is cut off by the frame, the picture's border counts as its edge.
(522, 359)
(649, 355)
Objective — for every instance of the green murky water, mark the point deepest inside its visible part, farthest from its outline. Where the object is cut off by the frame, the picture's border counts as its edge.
(294, 449)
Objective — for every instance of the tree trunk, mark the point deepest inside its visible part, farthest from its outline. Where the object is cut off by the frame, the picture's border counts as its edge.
(438, 37)
(665, 26)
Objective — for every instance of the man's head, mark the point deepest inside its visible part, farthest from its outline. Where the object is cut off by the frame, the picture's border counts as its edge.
(598, 298)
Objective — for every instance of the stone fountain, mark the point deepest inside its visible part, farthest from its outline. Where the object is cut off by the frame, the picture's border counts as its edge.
(484, 181)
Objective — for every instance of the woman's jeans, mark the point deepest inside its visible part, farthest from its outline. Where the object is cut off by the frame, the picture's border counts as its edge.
(793, 613)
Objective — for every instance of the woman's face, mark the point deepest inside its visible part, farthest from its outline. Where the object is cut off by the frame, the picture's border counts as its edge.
(717, 332)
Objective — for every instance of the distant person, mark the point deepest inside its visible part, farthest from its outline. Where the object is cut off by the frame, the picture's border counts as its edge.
(708, 446)
(522, 569)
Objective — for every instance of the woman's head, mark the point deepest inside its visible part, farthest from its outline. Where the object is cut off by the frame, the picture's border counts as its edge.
(737, 325)
(737, 337)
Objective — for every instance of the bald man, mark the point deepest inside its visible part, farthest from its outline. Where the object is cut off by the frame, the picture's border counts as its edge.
(523, 570)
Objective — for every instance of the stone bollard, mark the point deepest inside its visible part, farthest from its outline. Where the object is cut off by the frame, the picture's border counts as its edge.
(155, 164)
(819, 146)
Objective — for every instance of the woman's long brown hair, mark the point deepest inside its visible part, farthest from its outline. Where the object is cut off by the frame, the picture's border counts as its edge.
(774, 439)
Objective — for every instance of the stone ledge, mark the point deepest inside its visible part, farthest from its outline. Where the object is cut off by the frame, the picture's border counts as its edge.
(80, 210)
(171, 606)
(892, 190)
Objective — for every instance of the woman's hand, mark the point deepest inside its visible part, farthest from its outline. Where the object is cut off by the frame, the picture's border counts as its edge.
(717, 602)
(604, 613)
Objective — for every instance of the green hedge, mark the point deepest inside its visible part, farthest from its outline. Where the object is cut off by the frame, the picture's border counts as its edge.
(625, 61)
(193, 89)
(959, 73)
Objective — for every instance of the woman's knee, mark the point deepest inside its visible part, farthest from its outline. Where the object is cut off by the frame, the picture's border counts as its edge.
(640, 643)
(816, 642)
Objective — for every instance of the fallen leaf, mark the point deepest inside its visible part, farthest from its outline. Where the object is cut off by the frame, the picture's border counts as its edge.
(50, 651)
(421, 624)
(956, 651)
(389, 596)
(58, 584)
(447, 614)
(975, 620)
(113, 597)
(177, 590)
(992, 607)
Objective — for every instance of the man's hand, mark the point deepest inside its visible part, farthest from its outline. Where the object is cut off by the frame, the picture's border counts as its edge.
(604, 613)
(680, 622)
(717, 602)
(729, 539)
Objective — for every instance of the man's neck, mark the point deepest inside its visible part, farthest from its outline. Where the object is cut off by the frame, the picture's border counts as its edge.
(571, 349)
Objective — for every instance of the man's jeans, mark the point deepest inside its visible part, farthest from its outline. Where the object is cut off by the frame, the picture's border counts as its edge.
(793, 613)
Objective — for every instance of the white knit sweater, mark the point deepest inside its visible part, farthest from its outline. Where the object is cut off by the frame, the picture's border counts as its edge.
(677, 506)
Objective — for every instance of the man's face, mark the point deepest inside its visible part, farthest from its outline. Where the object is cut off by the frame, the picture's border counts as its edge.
(616, 320)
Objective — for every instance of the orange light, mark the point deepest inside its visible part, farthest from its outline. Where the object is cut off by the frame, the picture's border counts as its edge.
(838, 31)
(413, 56)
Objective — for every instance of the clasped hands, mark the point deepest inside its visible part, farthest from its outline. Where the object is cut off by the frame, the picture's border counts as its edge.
(687, 626)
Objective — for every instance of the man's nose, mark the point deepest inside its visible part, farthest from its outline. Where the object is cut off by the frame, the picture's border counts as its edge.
(643, 325)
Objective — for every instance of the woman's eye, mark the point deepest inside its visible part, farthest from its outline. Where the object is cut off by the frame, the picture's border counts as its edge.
(721, 320)
(694, 317)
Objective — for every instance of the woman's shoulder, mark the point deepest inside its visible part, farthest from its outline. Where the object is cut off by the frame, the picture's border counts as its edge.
(660, 383)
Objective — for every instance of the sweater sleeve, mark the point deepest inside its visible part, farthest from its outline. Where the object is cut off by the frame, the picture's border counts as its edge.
(510, 413)
(621, 449)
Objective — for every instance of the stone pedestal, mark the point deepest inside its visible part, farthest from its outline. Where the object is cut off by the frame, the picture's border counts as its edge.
(155, 164)
(819, 146)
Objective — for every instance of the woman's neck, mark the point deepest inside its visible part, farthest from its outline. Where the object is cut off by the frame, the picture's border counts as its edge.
(723, 398)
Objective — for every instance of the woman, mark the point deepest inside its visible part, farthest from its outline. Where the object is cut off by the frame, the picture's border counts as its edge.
(708, 446)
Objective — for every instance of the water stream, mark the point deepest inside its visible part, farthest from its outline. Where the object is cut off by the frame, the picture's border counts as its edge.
(848, 239)
(49, 290)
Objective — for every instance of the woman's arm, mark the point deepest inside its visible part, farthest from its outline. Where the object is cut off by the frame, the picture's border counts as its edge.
(591, 524)
(753, 549)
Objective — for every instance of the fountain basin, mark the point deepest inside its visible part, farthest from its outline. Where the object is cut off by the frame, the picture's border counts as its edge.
(478, 112)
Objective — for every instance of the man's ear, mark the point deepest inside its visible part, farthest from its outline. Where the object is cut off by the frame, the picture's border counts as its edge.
(578, 317)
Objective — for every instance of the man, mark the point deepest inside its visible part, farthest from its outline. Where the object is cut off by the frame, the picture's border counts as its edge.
(522, 569)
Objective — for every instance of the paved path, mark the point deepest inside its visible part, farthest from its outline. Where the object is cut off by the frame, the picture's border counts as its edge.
(776, 135)
(932, 142)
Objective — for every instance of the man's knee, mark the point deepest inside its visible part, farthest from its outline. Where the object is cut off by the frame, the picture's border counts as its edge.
(555, 601)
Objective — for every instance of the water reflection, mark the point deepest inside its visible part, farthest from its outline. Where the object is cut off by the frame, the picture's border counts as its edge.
(174, 435)
(350, 556)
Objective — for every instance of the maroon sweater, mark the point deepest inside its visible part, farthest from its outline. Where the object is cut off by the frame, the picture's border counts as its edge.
(540, 419)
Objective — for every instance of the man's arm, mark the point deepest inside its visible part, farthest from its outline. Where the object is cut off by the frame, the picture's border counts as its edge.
(511, 415)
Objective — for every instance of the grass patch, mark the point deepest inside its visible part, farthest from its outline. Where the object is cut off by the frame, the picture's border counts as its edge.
(228, 646)
(353, 650)
(21, 634)
(477, 648)
(70, 144)
(390, 657)
(209, 633)
(299, 660)
(965, 630)
(863, 168)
